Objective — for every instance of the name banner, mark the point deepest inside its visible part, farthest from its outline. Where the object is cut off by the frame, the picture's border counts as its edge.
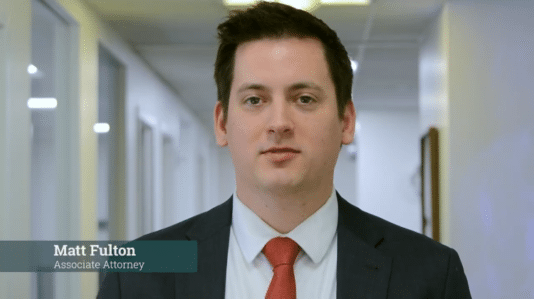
(98, 256)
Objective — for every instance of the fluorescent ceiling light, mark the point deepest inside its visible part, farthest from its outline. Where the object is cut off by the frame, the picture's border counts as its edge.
(32, 69)
(346, 2)
(42, 103)
(239, 2)
(101, 128)
(300, 4)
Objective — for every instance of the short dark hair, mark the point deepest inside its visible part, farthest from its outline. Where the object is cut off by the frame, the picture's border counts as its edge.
(276, 20)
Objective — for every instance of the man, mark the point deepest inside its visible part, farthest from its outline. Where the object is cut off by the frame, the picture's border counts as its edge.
(284, 110)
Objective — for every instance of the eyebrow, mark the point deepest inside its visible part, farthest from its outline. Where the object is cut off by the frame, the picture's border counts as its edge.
(252, 86)
(296, 86)
(304, 85)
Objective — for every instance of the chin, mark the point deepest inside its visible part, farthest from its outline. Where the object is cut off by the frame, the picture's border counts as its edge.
(280, 183)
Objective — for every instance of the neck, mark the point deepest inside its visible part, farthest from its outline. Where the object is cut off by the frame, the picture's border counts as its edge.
(284, 210)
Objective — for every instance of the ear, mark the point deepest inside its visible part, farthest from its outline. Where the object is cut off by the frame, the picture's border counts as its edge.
(219, 125)
(349, 123)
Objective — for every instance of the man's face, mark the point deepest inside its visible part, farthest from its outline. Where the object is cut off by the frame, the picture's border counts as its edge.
(283, 128)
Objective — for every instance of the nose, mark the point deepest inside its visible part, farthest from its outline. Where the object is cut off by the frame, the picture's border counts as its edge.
(280, 122)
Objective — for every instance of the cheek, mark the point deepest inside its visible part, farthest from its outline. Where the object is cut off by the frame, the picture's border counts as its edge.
(243, 135)
(324, 133)
(326, 142)
(250, 126)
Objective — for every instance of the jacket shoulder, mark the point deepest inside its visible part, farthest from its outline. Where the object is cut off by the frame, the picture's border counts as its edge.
(386, 236)
(427, 262)
(421, 267)
(197, 226)
(400, 236)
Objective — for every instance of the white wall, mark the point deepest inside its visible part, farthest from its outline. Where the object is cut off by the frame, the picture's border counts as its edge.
(492, 145)
(345, 178)
(226, 174)
(490, 92)
(388, 159)
(434, 104)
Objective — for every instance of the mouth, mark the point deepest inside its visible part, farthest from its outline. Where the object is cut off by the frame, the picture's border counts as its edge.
(280, 154)
(277, 150)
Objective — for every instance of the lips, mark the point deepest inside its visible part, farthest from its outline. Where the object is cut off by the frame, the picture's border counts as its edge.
(281, 150)
(280, 154)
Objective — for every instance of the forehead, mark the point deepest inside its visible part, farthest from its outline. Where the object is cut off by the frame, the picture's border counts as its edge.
(270, 57)
(257, 44)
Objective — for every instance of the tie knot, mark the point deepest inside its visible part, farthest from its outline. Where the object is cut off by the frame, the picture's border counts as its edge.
(281, 251)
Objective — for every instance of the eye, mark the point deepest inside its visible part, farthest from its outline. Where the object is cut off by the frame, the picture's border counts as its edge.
(254, 101)
(305, 99)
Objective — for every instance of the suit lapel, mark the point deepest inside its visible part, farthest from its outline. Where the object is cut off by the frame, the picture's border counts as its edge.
(212, 232)
(362, 271)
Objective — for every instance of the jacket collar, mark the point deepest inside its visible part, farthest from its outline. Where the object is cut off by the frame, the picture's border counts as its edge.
(362, 271)
(212, 232)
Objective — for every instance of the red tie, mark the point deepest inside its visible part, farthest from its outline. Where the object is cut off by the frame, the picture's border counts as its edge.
(281, 253)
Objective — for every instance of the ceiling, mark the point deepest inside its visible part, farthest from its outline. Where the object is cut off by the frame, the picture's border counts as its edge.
(177, 38)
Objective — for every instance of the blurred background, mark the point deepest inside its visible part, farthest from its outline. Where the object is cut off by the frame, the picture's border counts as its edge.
(106, 130)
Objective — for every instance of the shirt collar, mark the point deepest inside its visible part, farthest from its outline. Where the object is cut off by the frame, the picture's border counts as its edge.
(314, 235)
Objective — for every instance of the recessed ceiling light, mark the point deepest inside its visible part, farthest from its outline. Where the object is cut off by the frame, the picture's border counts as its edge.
(42, 103)
(352, 150)
(32, 69)
(354, 65)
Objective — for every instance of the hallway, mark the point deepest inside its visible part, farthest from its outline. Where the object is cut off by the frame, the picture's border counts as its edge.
(107, 129)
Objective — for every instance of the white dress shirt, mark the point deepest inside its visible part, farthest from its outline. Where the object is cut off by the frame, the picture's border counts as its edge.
(249, 273)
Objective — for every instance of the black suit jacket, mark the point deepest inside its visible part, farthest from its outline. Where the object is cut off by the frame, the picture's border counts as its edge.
(376, 259)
